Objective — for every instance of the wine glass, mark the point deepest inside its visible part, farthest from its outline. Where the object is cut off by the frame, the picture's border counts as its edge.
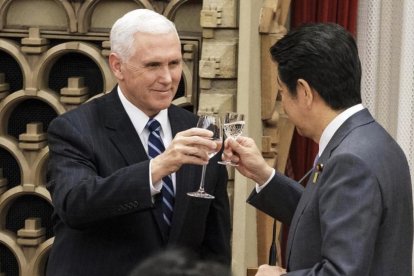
(213, 123)
(233, 127)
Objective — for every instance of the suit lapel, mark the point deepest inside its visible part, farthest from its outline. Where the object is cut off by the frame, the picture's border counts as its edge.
(186, 178)
(303, 202)
(121, 130)
(126, 140)
(358, 119)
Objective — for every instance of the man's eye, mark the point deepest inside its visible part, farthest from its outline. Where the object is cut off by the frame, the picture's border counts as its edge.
(153, 65)
(175, 63)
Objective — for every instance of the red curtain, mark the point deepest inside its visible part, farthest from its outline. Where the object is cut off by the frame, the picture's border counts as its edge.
(344, 12)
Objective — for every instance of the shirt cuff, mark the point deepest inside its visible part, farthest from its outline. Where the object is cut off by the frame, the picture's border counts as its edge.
(259, 188)
(155, 188)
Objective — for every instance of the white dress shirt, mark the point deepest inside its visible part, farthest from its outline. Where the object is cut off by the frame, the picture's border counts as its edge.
(139, 119)
(335, 124)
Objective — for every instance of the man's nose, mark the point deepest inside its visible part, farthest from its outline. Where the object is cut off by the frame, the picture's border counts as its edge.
(165, 74)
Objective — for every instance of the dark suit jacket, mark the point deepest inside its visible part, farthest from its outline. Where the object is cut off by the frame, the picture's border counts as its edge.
(104, 219)
(357, 218)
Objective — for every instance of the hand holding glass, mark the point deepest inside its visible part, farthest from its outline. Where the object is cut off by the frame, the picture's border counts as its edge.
(233, 127)
(213, 123)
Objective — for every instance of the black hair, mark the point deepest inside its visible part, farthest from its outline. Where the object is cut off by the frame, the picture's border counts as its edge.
(326, 56)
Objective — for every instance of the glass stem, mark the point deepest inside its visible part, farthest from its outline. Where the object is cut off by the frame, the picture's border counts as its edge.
(203, 175)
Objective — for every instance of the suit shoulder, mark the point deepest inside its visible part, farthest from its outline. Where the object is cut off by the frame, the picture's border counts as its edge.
(89, 105)
(81, 112)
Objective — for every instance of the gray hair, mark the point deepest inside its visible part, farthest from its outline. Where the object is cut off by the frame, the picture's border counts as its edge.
(140, 20)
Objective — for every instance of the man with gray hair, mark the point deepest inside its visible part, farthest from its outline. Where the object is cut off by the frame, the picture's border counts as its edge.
(115, 201)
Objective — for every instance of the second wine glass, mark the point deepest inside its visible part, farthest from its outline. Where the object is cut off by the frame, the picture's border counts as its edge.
(233, 127)
(212, 123)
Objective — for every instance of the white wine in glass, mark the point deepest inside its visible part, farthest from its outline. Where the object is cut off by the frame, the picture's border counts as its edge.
(233, 127)
(213, 123)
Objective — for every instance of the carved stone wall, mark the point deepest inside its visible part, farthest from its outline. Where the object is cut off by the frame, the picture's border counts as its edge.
(53, 57)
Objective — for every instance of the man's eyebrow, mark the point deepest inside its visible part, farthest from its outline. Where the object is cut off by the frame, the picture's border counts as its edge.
(152, 62)
(156, 62)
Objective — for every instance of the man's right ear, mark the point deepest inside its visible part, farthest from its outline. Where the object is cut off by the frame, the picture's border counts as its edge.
(116, 66)
(306, 91)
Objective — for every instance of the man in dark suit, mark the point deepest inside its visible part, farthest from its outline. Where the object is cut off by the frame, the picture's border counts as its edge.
(108, 195)
(355, 216)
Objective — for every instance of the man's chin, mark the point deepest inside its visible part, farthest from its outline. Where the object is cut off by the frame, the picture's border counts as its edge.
(163, 105)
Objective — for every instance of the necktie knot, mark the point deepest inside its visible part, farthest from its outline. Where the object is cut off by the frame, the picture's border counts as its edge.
(153, 125)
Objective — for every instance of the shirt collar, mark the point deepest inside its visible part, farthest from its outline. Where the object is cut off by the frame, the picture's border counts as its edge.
(335, 124)
(138, 118)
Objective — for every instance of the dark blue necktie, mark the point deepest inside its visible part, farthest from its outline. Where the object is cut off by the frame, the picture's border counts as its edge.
(156, 147)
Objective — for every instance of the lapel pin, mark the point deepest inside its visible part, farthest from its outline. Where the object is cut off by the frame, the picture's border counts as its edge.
(318, 170)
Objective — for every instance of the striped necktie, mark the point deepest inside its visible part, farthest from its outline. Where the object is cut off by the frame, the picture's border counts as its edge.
(156, 147)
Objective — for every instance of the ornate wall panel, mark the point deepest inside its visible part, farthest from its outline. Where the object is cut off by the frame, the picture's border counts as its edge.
(218, 62)
(53, 57)
(277, 129)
